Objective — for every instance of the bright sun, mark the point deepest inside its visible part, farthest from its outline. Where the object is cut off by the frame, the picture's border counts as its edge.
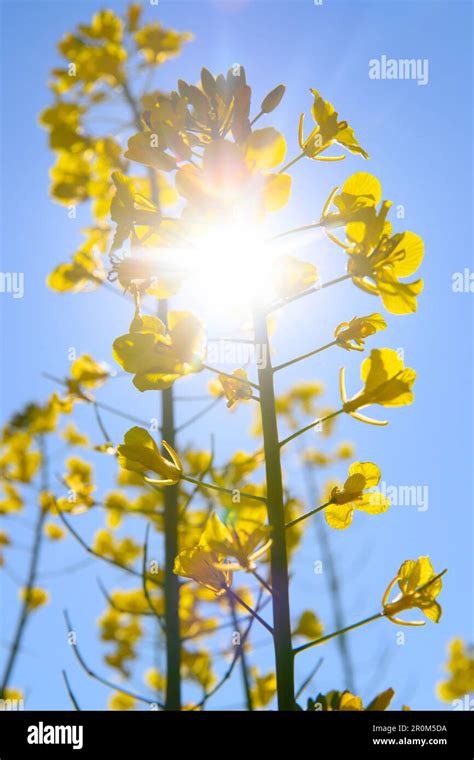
(227, 267)
(232, 266)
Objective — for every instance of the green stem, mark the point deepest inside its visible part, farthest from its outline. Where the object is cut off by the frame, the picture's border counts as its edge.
(31, 578)
(307, 514)
(304, 356)
(276, 517)
(304, 228)
(243, 656)
(329, 636)
(292, 162)
(262, 581)
(308, 292)
(256, 118)
(332, 579)
(171, 581)
(242, 380)
(249, 609)
(230, 491)
(308, 427)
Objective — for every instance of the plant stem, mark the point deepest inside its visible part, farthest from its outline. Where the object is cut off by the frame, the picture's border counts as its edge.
(238, 379)
(308, 292)
(304, 228)
(256, 118)
(304, 356)
(230, 491)
(290, 163)
(329, 636)
(332, 579)
(276, 517)
(171, 582)
(249, 609)
(308, 427)
(306, 515)
(262, 581)
(243, 656)
(31, 578)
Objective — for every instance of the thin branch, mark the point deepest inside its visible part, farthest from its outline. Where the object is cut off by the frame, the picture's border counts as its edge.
(323, 639)
(198, 415)
(31, 579)
(256, 118)
(93, 553)
(308, 427)
(307, 514)
(100, 404)
(233, 663)
(262, 581)
(304, 293)
(70, 692)
(237, 379)
(292, 162)
(243, 656)
(117, 607)
(304, 356)
(254, 613)
(100, 679)
(304, 228)
(197, 486)
(309, 678)
(231, 491)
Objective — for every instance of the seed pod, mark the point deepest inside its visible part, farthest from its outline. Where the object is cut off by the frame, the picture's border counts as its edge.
(272, 100)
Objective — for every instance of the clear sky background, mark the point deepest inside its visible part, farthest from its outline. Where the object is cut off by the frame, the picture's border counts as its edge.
(420, 144)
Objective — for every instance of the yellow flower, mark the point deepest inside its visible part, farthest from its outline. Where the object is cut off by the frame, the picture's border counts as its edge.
(386, 382)
(203, 566)
(86, 270)
(86, 373)
(235, 390)
(134, 600)
(351, 335)
(235, 178)
(197, 666)
(140, 453)
(79, 480)
(73, 436)
(239, 540)
(53, 531)
(36, 597)
(159, 44)
(419, 586)
(264, 688)
(461, 669)
(123, 551)
(377, 269)
(336, 701)
(345, 450)
(377, 257)
(155, 680)
(292, 276)
(354, 495)
(328, 131)
(157, 355)
(121, 701)
(309, 626)
(360, 191)
(12, 698)
(128, 208)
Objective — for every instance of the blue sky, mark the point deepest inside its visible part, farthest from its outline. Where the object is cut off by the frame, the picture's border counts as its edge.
(420, 144)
